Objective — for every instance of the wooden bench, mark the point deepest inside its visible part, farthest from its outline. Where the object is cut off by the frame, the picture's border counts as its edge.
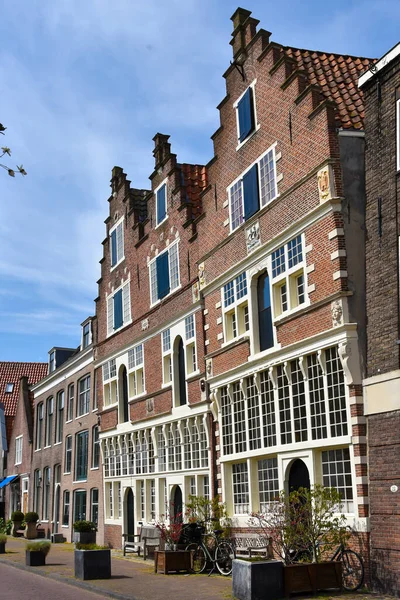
(147, 539)
(252, 544)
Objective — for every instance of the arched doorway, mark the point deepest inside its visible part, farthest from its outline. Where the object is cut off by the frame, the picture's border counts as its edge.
(298, 475)
(130, 517)
(177, 504)
(123, 390)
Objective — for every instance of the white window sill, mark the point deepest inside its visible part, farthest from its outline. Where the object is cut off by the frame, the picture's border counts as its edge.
(82, 415)
(117, 264)
(161, 222)
(110, 333)
(241, 144)
(65, 526)
(132, 398)
(57, 443)
(238, 338)
(94, 468)
(166, 385)
(193, 375)
(152, 305)
(79, 481)
(45, 448)
(67, 473)
(69, 421)
(289, 313)
(95, 409)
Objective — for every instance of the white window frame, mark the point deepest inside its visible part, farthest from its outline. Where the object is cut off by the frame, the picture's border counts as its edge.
(87, 324)
(158, 188)
(272, 149)
(288, 277)
(256, 123)
(126, 308)
(119, 223)
(110, 383)
(166, 353)
(18, 449)
(87, 390)
(236, 306)
(153, 272)
(190, 347)
(136, 371)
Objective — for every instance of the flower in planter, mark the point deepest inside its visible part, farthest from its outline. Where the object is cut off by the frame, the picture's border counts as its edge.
(42, 546)
(172, 531)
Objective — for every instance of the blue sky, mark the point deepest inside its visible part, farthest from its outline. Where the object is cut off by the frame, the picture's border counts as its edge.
(85, 86)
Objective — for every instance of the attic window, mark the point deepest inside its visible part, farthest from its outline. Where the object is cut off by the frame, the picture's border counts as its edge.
(9, 388)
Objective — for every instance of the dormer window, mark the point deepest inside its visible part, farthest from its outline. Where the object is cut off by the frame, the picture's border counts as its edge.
(86, 335)
(117, 243)
(246, 116)
(161, 203)
(9, 388)
(52, 361)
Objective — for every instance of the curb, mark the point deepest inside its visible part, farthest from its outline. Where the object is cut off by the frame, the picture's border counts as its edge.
(68, 580)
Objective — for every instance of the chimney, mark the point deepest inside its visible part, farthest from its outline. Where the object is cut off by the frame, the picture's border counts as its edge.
(244, 29)
(162, 149)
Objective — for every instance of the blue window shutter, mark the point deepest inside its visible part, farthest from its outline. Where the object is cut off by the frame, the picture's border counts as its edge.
(162, 263)
(161, 204)
(118, 321)
(264, 313)
(114, 248)
(250, 192)
(246, 114)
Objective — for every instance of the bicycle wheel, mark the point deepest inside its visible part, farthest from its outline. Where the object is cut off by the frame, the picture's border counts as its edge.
(224, 554)
(352, 570)
(199, 559)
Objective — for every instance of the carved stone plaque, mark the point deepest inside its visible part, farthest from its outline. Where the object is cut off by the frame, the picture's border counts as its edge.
(326, 183)
(253, 239)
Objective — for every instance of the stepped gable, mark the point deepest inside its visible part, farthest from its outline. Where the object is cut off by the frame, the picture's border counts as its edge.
(337, 76)
(194, 179)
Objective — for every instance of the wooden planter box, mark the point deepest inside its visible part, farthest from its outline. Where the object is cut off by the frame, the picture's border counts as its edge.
(92, 564)
(257, 580)
(35, 558)
(2, 547)
(170, 561)
(310, 577)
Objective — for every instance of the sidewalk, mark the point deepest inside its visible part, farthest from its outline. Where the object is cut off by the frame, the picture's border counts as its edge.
(134, 579)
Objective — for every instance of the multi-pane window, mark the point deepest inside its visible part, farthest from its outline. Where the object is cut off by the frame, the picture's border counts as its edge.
(119, 498)
(70, 402)
(203, 445)
(110, 500)
(288, 276)
(206, 486)
(192, 486)
(52, 361)
(119, 308)
(37, 485)
(68, 454)
(336, 473)
(81, 455)
(18, 450)
(142, 500)
(95, 447)
(161, 203)
(166, 354)
(253, 190)
(46, 493)
(39, 426)
(86, 335)
(117, 243)
(191, 361)
(187, 447)
(49, 420)
(59, 417)
(152, 498)
(240, 482)
(235, 307)
(268, 482)
(66, 507)
(164, 273)
(293, 402)
(94, 506)
(162, 451)
(83, 396)
(245, 114)
(110, 383)
(136, 371)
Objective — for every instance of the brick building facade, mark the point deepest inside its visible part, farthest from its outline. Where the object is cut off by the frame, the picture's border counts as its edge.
(66, 475)
(381, 88)
(230, 315)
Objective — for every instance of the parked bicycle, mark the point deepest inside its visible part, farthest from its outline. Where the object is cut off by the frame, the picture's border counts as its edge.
(210, 548)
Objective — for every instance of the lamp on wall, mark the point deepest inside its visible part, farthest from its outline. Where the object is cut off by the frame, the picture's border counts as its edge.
(238, 62)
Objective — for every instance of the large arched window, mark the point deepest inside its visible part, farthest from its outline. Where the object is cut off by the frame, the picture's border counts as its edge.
(264, 312)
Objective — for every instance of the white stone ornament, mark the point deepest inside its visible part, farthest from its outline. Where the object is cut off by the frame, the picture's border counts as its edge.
(253, 239)
(326, 183)
(337, 313)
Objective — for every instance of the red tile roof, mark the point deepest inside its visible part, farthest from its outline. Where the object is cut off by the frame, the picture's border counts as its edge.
(337, 76)
(11, 372)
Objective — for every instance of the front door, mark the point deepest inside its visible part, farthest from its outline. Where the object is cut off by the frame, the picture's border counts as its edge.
(177, 504)
(298, 476)
(129, 512)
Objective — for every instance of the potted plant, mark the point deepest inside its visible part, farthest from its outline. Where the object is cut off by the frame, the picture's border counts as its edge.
(36, 552)
(84, 532)
(17, 517)
(92, 561)
(31, 519)
(171, 532)
(3, 542)
(304, 526)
